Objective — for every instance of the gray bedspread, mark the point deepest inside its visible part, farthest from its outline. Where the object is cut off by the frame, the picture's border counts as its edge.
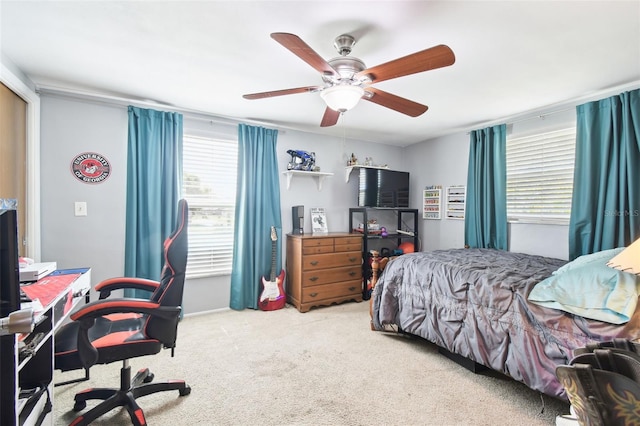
(473, 302)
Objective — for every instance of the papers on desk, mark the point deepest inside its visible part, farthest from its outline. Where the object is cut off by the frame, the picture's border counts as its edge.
(49, 287)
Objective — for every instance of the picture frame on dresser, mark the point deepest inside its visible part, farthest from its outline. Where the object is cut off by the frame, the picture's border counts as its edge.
(319, 221)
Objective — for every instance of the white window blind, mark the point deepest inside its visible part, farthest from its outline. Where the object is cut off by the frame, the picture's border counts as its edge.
(209, 186)
(540, 176)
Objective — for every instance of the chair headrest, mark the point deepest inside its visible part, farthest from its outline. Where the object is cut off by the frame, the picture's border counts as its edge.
(176, 248)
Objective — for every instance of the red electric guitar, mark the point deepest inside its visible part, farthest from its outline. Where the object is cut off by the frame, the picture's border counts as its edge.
(273, 296)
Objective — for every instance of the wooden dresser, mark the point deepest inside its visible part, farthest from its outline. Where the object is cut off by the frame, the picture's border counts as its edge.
(323, 269)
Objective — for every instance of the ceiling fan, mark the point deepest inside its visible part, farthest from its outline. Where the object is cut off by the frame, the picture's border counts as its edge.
(347, 80)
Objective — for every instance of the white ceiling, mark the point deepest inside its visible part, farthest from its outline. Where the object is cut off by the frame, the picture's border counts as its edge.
(512, 57)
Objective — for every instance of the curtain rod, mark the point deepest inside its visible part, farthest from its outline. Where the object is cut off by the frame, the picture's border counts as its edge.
(124, 101)
(541, 115)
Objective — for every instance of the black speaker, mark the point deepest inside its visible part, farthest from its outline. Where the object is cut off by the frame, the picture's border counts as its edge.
(297, 216)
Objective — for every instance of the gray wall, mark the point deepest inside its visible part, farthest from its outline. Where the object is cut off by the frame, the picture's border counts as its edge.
(441, 161)
(337, 195)
(71, 126)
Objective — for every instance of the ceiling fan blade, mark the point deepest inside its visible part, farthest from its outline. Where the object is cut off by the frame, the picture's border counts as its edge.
(304, 52)
(425, 60)
(396, 103)
(330, 118)
(273, 93)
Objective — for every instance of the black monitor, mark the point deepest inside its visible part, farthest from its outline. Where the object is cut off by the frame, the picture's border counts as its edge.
(9, 302)
(383, 188)
(9, 269)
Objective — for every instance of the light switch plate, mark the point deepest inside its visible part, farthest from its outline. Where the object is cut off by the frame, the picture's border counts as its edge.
(81, 208)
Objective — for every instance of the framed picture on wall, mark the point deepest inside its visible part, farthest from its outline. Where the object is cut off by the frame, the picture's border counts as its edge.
(318, 221)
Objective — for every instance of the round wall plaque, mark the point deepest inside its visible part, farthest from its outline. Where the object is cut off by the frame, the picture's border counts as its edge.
(90, 167)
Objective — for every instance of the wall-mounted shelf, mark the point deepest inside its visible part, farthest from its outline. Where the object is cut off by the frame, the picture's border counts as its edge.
(348, 169)
(456, 202)
(320, 176)
(432, 202)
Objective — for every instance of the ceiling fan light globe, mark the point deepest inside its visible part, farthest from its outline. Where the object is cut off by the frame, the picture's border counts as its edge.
(343, 97)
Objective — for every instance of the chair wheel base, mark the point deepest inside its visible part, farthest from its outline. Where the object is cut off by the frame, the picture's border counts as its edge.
(185, 391)
(126, 396)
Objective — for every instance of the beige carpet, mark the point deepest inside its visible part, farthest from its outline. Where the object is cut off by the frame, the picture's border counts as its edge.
(324, 367)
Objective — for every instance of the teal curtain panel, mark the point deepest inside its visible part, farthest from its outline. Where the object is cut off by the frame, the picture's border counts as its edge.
(485, 224)
(154, 185)
(605, 207)
(257, 209)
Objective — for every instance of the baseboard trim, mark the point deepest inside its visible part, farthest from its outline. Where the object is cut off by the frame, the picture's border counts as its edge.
(212, 311)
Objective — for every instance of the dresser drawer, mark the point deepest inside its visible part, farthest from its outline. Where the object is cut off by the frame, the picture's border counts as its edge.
(331, 260)
(317, 250)
(316, 242)
(325, 276)
(348, 246)
(349, 240)
(329, 291)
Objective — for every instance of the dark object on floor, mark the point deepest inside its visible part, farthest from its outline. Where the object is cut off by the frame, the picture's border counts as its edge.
(603, 383)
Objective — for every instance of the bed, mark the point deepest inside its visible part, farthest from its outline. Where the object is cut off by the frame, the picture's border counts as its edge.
(475, 303)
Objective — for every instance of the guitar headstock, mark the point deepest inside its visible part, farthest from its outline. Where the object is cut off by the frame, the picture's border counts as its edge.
(274, 235)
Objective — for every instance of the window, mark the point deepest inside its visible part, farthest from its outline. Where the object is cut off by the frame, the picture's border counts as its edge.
(540, 177)
(209, 186)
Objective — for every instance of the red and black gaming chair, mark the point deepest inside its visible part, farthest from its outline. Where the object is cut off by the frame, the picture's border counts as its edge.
(110, 330)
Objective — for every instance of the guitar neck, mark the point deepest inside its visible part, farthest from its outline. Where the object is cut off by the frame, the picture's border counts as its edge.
(273, 261)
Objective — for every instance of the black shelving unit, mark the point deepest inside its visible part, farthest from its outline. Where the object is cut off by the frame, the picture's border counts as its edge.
(404, 216)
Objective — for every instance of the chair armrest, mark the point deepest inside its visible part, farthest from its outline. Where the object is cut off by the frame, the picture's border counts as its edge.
(99, 308)
(107, 286)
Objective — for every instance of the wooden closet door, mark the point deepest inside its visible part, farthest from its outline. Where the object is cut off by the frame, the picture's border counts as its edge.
(13, 155)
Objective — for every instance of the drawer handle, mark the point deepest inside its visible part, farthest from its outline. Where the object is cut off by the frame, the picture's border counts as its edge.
(353, 259)
(314, 262)
(352, 273)
(313, 294)
(352, 288)
(313, 279)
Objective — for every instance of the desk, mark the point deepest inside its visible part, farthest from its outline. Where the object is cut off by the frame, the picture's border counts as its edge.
(59, 293)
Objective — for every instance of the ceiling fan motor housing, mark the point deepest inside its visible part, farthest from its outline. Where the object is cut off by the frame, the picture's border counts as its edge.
(344, 43)
(346, 66)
